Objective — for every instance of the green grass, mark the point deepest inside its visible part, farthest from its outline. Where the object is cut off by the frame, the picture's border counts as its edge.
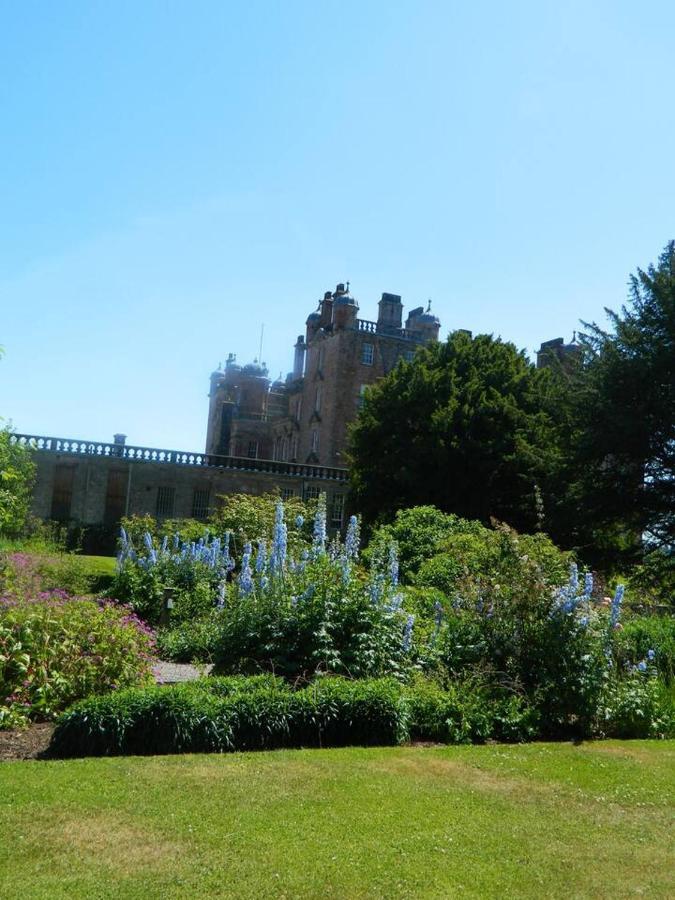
(539, 820)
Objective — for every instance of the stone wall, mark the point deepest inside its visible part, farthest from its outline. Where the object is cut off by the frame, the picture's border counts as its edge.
(94, 484)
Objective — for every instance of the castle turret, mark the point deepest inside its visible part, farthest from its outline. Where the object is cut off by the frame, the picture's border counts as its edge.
(299, 357)
(345, 308)
(326, 310)
(424, 325)
(313, 324)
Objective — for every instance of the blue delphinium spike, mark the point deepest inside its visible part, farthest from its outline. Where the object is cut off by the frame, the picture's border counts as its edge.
(588, 585)
(615, 609)
(352, 539)
(261, 557)
(245, 576)
(393, 564)
(407, 632)
(319, 535)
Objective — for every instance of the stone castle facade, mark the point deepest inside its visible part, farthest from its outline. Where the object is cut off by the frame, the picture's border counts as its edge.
(287, 436)
(305, 418)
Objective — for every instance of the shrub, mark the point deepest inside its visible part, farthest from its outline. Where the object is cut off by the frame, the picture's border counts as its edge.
(498, 561)
(250, 518)
(194, 640)
(639, 635)
(55, 650)
(17, 473)
(194, 572)
(636, 706)
(24, 573)
(466, 712)
(321, 614)
(546, 645)
(418, 533)
(219, 715)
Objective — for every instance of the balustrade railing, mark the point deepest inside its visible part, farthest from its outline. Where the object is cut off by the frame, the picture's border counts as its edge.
(177, 457)
(365, 325)
(403, 333)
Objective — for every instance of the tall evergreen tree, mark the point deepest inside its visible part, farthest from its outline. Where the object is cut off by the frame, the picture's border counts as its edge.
(626, 453)
(469, 426)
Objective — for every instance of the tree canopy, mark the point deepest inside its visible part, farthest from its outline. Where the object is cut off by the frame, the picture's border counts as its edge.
(626, 453)
(17, 471)
(469, 425)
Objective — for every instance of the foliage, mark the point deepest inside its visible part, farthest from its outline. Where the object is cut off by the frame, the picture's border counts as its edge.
(56, 649)
(250, 518)
(475, 559)
(194, 640)
(636, 706)
(188, 530)
(652, 582)
(17, 473)
(549, 646)
(626, 464)
(25, 573)
(217, 715)
(321, 613)
(195, 573)
(639, 635)
(466, 712)
(418, 533)
(469, 425)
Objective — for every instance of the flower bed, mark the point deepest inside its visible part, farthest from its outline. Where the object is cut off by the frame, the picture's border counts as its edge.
(56, 649)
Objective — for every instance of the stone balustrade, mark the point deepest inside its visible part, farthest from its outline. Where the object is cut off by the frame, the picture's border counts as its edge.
(72, 446)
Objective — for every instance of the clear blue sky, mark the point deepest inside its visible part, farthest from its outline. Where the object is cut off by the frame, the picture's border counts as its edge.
(174, 174)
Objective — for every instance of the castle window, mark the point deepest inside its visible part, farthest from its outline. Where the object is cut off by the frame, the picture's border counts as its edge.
(62, 492)
(311, 492)
(287, 493)
(317, 399)
(166, 497)
(367, 354)
(337, 510)
(294, 447)
(200, 503)
(252, 450)
(315, 440)
(320, 362)
(409, 355)
(362, 396)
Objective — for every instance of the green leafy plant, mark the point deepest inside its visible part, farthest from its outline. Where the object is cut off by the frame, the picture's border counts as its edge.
(56, 649)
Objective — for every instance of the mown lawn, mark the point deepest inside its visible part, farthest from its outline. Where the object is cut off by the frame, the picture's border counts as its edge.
(540, 820)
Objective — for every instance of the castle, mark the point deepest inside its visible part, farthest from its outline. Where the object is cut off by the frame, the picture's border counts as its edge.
(305, 418)
(288, 435)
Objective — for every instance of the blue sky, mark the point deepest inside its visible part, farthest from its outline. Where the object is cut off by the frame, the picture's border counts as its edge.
(175, 174)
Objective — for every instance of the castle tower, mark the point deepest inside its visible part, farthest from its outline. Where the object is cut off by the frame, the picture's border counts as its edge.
(390, 313)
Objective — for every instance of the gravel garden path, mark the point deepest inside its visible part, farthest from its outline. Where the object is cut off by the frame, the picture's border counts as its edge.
(173, 673)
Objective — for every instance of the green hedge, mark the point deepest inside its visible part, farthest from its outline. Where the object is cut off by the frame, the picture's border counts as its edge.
(225, 714)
